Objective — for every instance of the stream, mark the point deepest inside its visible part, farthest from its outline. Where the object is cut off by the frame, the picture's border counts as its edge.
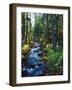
(35, 65)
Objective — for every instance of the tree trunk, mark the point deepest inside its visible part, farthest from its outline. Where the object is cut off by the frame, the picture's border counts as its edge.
(23, 28)
(26, 28)
(53, 18)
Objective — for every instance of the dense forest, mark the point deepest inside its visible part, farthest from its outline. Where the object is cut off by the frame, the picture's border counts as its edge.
(42, 44)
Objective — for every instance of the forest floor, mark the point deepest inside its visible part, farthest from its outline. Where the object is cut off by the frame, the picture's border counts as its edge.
(42, 61)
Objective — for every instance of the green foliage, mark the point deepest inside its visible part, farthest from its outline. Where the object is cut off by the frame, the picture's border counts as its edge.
(53, 55)
(54, 60)
(46, 29)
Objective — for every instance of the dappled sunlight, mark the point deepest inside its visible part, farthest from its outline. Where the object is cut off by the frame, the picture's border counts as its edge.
(42, 44)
